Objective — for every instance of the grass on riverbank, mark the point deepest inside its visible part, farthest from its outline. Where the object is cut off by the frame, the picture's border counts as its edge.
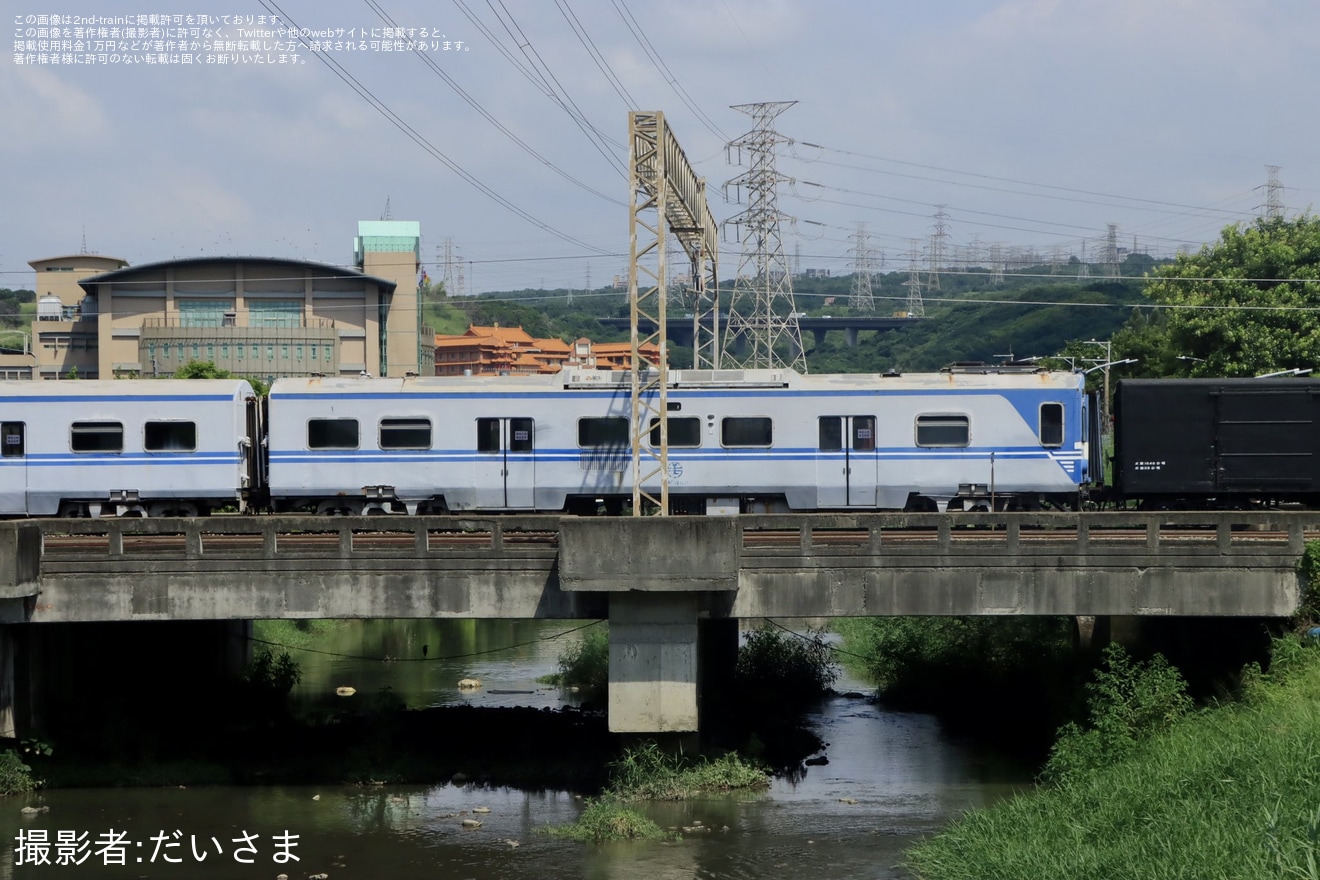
(647, 773)
(1226, 792)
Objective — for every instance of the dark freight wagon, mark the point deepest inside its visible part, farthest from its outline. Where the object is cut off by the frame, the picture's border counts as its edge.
(1217, 442)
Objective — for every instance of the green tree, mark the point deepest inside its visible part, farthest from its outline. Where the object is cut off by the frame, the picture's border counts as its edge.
(208, 370)
(1243, 306)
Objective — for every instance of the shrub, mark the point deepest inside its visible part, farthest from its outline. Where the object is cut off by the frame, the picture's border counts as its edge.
(15, 775)
(1127, 702)
(585, 664)
(778, 666)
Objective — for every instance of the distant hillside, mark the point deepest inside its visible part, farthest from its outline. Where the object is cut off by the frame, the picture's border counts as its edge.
(966, 319)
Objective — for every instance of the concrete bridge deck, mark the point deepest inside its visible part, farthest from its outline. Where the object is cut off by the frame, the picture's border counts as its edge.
(218, 568)
(672, 588)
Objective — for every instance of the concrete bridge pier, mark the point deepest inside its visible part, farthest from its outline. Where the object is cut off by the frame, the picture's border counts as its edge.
(661, 576)
(670, 669)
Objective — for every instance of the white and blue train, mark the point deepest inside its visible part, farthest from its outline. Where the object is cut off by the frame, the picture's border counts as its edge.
(738, 441)
(152, 447)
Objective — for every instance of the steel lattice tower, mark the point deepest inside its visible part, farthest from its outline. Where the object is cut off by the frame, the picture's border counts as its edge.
(862, 298)
(762, 328)
(938, 247)
(916, 308)
(1110, 256)
(1273, 194)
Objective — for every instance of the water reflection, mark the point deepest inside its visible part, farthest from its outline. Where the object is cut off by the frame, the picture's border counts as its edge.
(891, 778)
(420, 662)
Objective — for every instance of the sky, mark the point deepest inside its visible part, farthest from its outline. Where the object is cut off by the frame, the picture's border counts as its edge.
(1012, 125)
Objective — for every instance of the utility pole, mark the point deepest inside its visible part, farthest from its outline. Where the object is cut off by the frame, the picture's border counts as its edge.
(762, 315)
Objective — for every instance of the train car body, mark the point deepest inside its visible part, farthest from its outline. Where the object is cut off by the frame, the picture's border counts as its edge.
(1217, 442)
(750, 441)
(145, 447)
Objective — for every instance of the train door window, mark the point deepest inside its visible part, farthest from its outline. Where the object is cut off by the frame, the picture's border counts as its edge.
(11, 439)
(746, 431)
(96, 437)
(520, 435)
(405, 433)
(943, 430)
(608, 431)
(332, 434)
(170, 437)
(1051, 424)
(863, 433)
(488, 435)
(831, 434)
(684, 432)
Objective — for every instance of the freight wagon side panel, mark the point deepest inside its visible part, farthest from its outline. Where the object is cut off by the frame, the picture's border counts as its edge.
(1267, 439)
(1164, 438)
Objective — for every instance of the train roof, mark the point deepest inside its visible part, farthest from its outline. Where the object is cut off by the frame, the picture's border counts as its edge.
(19, 389)
(680, 380)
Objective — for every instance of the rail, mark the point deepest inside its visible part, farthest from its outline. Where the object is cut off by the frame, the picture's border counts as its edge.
(869, 534)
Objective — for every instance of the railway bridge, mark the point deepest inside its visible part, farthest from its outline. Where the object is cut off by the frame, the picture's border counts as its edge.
(673, 589)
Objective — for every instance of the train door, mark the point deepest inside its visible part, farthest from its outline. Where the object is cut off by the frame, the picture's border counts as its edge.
(846, 469)
(13, 468)
(506, 464)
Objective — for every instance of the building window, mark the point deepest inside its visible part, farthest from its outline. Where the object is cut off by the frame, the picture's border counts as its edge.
(170, 437)
(943, 430)
(96, 437)
(746, 431)
(298, 352)
(224, 351)
(275, 312)
(203, 312)
(332, 434)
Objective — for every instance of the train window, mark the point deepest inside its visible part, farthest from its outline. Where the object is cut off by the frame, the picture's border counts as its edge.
(11, 439)
(863, 433)
(332, 434)
(603, 432)
(1051, 424)
(943, 430)
(488, 435)
(170, 437)
(405, 433)
(96, 437)
(520, 435)
(831, 434)
(682, 432)
(746, 431)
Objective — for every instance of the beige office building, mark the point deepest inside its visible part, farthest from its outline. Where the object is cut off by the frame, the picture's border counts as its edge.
(98, 317)
(253, 316)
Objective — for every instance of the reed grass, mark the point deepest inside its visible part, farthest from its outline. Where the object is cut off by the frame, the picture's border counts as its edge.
(1223, 793)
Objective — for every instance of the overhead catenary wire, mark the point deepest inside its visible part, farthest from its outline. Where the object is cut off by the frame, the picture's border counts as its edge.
(489, 117)
(417, 138)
